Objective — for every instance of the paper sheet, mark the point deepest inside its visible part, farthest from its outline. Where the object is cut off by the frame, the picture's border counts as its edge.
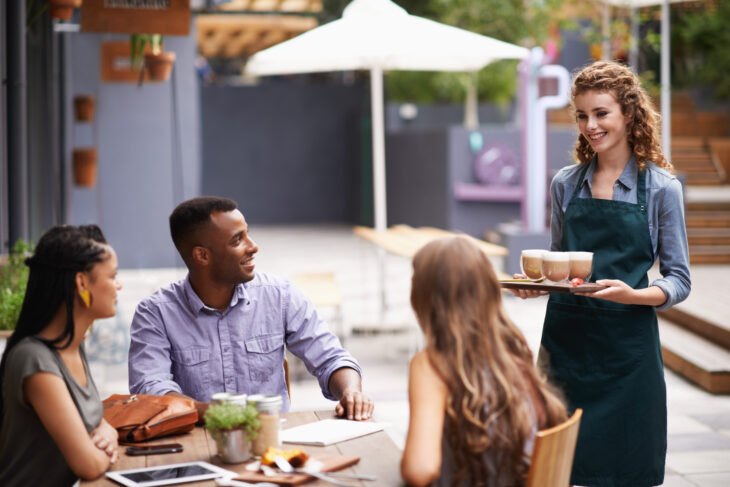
(328, 431)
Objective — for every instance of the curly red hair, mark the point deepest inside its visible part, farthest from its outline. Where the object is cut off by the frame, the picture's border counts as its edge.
(642, 129)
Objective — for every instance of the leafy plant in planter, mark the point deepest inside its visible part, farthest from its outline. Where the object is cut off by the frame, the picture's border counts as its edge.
(13, 280)
(233, 427)
(157, 63)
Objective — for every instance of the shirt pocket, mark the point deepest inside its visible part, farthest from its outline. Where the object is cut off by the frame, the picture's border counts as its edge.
(191, 369)
(266, 357)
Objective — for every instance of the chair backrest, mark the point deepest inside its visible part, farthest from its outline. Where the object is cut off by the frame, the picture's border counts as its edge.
(286, 377)
(552, 456)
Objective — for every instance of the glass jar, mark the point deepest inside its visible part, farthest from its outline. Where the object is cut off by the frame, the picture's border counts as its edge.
(240, 399)
(269, 408)
(220, 397)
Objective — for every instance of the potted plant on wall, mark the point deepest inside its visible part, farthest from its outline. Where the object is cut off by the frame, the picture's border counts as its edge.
(157, 63)
(62, 9)
(84, 108)
(13, 280)
(85, 166)
(233, 427)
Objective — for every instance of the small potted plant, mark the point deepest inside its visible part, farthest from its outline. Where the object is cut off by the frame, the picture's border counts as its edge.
(157, 63)
(62, 9)
(84, 108)
(13, 280)
(85, 166)
(233, 427)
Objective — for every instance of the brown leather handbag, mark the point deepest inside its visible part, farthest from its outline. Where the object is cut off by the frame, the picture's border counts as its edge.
(139, 417)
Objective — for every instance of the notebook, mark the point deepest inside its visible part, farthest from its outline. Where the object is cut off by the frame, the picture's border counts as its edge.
(328, 431)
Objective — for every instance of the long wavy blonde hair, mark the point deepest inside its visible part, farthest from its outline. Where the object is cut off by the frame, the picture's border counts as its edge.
(642, 129)
(495, 392)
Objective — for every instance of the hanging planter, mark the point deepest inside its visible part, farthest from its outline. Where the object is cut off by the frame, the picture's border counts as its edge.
(159, 66)
(85, 166)
(84, 108)
(157, 63)
(62, 9)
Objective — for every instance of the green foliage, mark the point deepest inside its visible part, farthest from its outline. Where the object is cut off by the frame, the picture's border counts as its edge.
(13, 281)
(228, 416)
(496, 83)
(700, 40)
(33, 12)
(138, 42)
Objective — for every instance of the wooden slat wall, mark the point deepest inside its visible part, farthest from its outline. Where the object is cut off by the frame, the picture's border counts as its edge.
(222, 35)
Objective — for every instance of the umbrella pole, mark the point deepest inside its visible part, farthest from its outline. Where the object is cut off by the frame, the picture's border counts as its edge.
(378, 129)
(666, 84)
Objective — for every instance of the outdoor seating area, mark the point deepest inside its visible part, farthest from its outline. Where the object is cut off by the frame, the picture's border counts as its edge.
(364, 243)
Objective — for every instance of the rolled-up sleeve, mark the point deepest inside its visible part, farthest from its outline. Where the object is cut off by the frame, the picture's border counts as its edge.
(309, 338)
(672, 248)
(150, 367)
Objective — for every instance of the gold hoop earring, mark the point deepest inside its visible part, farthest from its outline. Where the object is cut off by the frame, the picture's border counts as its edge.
(85, 296)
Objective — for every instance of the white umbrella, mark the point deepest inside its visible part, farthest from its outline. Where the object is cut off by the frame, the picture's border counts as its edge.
(378, 35)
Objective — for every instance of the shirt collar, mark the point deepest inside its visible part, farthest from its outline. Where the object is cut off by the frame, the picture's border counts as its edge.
(627, 178)
(197, 305)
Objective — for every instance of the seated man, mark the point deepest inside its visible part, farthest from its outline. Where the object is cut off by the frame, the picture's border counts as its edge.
(225, 328)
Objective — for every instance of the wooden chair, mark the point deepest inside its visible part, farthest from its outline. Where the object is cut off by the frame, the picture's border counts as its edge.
(552, 456)
(321, 288)
(286, 377)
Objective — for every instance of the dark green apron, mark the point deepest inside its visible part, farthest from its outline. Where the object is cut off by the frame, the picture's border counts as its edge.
(606, 356)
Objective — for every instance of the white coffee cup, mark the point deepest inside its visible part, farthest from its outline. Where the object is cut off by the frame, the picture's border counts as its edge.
(581, 265)
(556, 266)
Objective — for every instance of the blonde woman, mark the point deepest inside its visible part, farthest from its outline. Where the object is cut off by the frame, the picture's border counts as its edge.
(476, 400)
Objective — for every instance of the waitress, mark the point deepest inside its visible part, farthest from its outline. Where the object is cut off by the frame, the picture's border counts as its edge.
(622, 203)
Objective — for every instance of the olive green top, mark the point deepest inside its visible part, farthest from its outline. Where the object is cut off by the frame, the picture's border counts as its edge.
(28, 454)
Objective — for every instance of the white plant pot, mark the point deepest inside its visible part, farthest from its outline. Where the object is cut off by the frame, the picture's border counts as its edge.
(233, 446)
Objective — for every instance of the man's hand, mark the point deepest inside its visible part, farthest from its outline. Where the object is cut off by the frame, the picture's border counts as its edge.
(345, 384)
(105, 438)
(355, 405)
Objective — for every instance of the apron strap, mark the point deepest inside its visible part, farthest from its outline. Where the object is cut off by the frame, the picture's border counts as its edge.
(580, 180)
(641, 190)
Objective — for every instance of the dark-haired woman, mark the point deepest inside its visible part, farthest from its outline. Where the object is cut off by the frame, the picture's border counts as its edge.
(52, 430)
(476, 399)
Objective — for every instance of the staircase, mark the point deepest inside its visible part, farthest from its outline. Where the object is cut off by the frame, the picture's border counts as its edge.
(692, 157)
(708, 231)
(695, 334)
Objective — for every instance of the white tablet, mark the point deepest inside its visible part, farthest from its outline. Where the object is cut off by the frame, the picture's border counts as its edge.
(177, 473)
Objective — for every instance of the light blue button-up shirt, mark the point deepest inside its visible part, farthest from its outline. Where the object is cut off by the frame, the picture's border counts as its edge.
(665, 212)
(180, 344)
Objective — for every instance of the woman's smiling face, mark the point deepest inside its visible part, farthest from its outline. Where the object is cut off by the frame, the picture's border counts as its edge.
(600, 120)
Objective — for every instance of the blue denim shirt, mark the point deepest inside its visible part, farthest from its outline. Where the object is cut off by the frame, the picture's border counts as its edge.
(665, 210)
(180, 344)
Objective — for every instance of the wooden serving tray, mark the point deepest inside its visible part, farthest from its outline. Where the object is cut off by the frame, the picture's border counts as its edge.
(329, 464)
(553, 287)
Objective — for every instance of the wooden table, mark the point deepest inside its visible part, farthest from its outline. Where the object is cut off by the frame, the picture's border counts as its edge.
(406, 241)
(378, 454)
